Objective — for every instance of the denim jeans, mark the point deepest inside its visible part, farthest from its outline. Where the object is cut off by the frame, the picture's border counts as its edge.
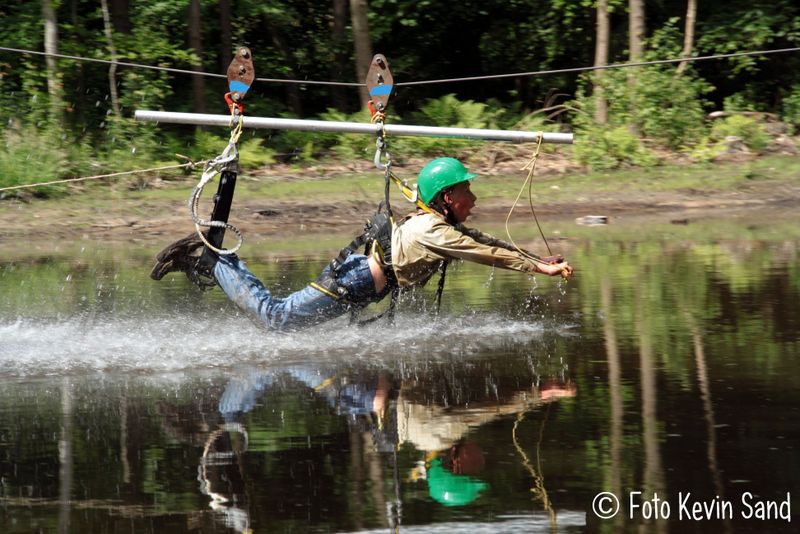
(303, 308)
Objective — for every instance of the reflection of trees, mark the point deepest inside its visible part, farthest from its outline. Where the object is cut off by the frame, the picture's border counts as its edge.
(708, 410)
(653, 468)
(65, 458)
(614, 391)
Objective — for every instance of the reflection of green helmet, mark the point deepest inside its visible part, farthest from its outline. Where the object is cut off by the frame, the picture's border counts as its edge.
(439, 174)
(452, 490)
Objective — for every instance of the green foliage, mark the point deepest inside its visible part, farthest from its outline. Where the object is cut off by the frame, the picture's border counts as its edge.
(791, 107)
(293, 39)
(655, 102)
(748, 25)
(748, 129)
(348, 147)
(29, 156)
(451, 112)
(253, 154)
(706, 150)
(608, 149)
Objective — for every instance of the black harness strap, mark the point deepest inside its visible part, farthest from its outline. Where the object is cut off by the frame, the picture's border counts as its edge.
(222, 210)
(440, 289)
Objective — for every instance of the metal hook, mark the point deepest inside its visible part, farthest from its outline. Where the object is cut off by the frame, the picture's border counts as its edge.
(380, 151)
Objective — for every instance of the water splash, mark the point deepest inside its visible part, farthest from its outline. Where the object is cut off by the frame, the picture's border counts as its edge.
(160, 343)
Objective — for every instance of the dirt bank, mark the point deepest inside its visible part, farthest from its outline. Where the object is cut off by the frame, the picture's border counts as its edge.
(116, 214)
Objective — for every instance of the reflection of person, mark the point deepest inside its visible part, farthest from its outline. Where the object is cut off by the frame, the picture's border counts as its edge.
(403, 255)
(452, 462)
(373, 403)
(451, 474)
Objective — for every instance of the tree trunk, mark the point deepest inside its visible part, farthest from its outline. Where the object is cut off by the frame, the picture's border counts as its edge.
(688, 35)
(51, 47)
(363, 44)
(636, 29)
(601, 59)
(196, 44)
(225, 35)
(340, 58)
(112, 70)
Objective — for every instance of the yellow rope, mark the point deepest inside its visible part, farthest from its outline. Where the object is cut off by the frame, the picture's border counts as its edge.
(538, 490)
(84, 178)
(531, 168)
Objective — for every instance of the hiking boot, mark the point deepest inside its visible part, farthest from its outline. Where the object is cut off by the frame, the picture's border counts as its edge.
(184, 255)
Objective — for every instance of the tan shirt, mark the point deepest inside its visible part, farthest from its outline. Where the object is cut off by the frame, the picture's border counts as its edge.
(421, 241)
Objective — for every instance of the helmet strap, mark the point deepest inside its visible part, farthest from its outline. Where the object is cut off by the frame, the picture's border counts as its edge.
(440, 205)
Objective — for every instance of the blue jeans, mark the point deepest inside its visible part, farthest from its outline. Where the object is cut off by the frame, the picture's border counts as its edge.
(303, 308)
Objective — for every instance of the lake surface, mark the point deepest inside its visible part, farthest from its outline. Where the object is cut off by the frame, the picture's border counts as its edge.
(666, 371)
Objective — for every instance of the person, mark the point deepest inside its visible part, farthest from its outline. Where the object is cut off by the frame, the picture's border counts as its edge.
(406, 255)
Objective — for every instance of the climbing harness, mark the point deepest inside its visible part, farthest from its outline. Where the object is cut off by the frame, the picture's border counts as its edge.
(240, 76)
(377, 236)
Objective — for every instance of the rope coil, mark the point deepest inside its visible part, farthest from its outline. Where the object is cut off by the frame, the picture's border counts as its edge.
(226, 160)
(530, 166)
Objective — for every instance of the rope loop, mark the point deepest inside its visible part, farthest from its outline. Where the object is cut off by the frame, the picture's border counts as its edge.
(227, 160)
(530, 166)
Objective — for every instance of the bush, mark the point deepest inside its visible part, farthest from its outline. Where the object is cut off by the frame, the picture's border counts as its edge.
(30, 156)
(655, 102)
(791, 107)
(749, 130)
(447, 111)
(610, 149)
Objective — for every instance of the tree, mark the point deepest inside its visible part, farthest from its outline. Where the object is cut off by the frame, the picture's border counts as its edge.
(362, 43)
(54, 88)
(688, 34)
(196, 44)
(112, 70)
(636, 29)
(340, 59)
(635, 48)
(600, 59)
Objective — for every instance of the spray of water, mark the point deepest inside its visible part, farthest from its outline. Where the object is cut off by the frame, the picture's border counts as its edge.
(157, 344)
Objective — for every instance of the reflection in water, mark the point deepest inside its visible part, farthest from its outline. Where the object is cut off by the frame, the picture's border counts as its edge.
(614, 391)
(177, 415)
(708, 412)
(653, 470)
(220, 476)
(384, 415)
(65, 460)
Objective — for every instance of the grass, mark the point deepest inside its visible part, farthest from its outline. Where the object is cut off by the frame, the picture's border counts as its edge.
(122, 198)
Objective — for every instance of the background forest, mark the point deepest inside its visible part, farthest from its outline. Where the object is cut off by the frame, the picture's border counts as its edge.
(69, 117)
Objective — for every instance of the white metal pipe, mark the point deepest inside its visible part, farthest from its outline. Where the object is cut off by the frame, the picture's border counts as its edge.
(205, 119)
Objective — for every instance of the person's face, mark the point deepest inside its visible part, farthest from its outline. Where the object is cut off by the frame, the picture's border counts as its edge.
(461, 201)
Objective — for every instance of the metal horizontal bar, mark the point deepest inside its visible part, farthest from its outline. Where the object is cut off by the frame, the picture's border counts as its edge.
(204, 119)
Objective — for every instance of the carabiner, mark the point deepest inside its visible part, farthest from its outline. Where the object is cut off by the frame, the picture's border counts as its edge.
(380, 150)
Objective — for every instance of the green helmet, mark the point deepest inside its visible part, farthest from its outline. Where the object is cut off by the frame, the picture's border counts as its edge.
(452, 490)
(439, 174)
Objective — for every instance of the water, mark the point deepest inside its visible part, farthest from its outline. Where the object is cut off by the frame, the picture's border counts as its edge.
(669, 366)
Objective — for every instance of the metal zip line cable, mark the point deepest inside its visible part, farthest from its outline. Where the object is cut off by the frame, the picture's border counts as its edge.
(604, 67)
(171, 69)
(421, 82)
